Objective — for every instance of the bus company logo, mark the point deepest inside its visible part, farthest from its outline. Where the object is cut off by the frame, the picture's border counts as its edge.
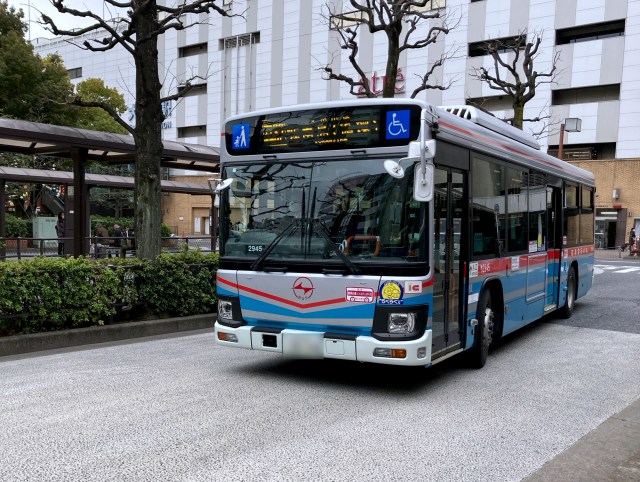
(391, 293)
(303, 288)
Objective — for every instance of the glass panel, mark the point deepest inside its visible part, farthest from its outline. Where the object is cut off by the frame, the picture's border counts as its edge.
(322, 210)
(456, 209)
(517, 208)
(488, 204)
(537, 213)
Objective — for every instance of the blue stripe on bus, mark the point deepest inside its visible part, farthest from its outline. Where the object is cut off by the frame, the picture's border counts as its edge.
(224, 292)
(357, 311)
(324, 328)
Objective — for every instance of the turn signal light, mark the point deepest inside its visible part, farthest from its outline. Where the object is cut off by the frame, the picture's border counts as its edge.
(390, 353)
(227, 337)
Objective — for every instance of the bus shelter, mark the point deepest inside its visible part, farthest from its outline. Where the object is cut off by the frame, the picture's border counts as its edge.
(81, 146)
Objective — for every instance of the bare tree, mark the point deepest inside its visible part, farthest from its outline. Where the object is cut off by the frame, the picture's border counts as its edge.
(402, 22)
(513, 73)
(138, 34)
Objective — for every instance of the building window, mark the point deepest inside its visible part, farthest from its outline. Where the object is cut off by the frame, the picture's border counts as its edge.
(594, 31)
(585, 152)
(75, 73)
(196, 89)
(239, 40)
(493, 103)
(582, 95)
(501, 45)
(355, 17)
(195, 49)
(192, 131)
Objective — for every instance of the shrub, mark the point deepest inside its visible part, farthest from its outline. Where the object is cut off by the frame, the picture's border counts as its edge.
(46, 294)
(18, 227)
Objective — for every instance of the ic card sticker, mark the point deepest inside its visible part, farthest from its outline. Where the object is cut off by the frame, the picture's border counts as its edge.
(413, 287)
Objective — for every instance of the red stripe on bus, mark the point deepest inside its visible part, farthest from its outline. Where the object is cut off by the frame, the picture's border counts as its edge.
(283, 300)
(503, 146)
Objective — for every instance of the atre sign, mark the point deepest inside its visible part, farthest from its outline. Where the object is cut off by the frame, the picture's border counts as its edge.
(377, 83)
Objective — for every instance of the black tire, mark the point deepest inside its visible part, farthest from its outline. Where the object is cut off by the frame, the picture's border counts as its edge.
(478, 354)
(570, 301)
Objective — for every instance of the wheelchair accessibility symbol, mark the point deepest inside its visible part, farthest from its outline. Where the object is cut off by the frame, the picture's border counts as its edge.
(398, 123)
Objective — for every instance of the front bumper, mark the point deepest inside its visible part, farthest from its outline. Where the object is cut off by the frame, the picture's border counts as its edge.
(318, 345)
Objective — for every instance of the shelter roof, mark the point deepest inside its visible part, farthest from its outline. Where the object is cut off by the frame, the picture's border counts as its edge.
(49, 140)
(119, 182)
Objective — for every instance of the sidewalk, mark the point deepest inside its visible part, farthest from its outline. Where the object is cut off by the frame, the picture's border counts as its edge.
(609, 452)
(615, 255)
(612, 450)
(53, 340)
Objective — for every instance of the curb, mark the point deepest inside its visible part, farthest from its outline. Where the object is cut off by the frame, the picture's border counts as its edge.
(20, 344)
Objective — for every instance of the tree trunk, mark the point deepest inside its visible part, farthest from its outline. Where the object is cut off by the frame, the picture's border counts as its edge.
(391, 74)
(518, 114)
(148, 136)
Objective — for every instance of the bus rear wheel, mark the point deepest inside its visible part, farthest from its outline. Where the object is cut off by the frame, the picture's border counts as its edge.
(570, 300)
(484, 332)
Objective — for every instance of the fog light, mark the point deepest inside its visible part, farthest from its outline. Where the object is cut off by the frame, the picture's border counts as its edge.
(389, 353)
(401, 322)
(225, 310)
(230, 337)
(422, 352)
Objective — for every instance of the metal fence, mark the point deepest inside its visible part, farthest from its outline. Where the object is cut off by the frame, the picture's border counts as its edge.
(103, 247)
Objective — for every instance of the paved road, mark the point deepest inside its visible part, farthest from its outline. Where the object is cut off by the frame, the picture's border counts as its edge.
(184, 409)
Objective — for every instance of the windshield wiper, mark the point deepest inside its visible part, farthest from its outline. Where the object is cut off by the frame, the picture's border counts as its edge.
(255, 266)
(325, 235)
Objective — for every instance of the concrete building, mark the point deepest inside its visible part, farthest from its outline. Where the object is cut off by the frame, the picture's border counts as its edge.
(271, 53)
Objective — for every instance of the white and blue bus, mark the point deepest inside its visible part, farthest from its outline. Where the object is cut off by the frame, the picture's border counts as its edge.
(392, 231)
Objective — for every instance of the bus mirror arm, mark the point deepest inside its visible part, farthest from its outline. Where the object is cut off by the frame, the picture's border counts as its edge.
(423, 185)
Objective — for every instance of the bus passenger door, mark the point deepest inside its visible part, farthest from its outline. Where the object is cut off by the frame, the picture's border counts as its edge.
(448, 226)
(554, 246)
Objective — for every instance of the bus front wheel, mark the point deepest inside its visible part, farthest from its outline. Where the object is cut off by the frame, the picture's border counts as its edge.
(484, 331)
(570, 300)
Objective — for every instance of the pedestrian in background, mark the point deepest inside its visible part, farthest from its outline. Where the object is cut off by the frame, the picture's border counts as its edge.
(117, 234)
(60, 233)
(632, 241)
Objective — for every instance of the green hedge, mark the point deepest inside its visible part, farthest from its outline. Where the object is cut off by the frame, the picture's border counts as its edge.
(18, 227)
(45, 294)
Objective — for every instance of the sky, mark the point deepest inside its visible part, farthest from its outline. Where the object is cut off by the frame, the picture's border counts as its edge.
(32, 9)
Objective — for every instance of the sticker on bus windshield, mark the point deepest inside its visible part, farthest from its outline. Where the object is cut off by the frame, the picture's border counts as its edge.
(240, 136)
(391, 293)
(398, 124)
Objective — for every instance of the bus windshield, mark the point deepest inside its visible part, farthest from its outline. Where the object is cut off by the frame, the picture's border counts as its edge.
(349, 211)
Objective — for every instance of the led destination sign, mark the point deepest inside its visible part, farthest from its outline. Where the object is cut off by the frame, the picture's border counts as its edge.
(324, 129)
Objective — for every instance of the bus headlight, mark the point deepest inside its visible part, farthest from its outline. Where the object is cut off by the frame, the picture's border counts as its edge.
(225, 310)
(401, 322)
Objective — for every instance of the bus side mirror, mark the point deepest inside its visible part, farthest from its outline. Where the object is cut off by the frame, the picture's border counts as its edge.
(423, 183)
(216, 186)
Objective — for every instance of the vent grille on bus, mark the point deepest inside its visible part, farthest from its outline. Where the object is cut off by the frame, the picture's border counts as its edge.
(490, 122)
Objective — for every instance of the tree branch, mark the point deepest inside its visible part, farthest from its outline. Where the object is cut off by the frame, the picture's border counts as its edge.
(107, 108)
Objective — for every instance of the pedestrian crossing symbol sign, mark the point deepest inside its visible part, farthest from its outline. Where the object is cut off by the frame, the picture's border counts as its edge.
(240, 136)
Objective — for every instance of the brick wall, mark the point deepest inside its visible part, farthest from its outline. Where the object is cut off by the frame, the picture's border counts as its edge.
(622, 174)
(186, 206)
